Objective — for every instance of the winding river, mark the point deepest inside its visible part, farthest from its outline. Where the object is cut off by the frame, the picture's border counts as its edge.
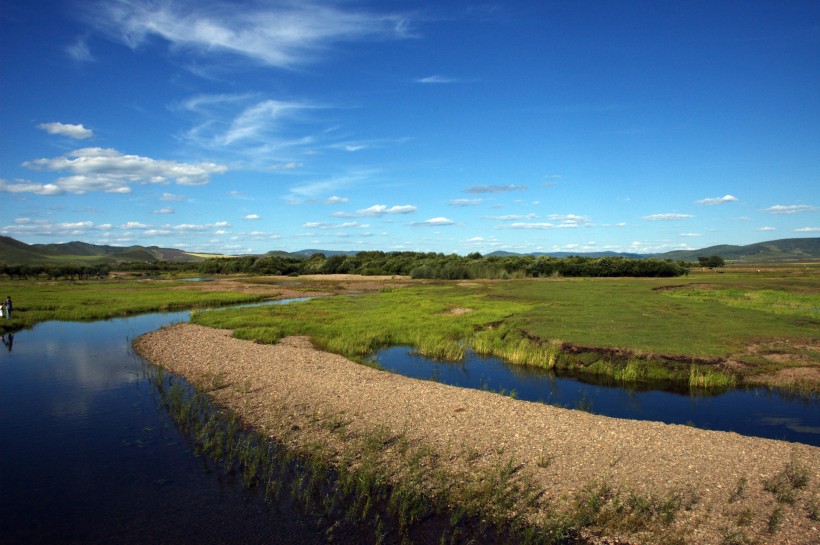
(89, 454)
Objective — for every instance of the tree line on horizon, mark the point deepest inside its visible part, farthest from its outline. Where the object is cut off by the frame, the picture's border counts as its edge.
(445, 267)
(413, 264)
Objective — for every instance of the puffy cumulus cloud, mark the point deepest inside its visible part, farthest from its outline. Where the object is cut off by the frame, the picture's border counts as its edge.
(336, 200)
(667, 217)
(717, 200)
(282, 34)
(78, 132)
(495, 188)
(790, 209)
(378, 210)
(107, 170)
(434, 222)
(251, 217)
(25, 186)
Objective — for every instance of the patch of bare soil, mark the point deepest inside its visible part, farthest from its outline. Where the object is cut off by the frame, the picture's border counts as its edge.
(296, 393)
(287, 287)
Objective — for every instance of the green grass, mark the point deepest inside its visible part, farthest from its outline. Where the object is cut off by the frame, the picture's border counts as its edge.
(97, 300)
(635, 330)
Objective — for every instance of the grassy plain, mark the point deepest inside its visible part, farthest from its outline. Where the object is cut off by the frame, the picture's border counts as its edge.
(37, 301)
(631, 329)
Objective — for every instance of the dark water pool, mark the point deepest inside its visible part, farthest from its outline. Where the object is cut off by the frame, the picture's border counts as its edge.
(756, 411)
(88, 455)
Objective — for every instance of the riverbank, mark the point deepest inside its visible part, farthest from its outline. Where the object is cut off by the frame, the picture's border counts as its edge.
(634, 481)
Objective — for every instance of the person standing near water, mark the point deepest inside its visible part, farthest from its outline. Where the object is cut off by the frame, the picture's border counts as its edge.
(8, 307)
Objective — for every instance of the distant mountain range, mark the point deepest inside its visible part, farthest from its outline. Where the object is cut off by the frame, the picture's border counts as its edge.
(14, 252)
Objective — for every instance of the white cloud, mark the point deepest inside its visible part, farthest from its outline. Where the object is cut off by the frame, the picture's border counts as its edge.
(336, 200)
(766, 229)
(542, 225)
(667, 217)
(495, 188)
(283, 34)
(286, 166)
(436, 79)
(79, 51)
(435, 222)
(378, 210)
(512, 217)
(78, 132)
(172, 197)
(465, 202)
(346, 225)
(808, 230)
(98, 169)
(134, 225)
(166, 210)
(569, 218)
(251, 217)
(691, 235)
(791, 209)
(717, 200)
(25, 186)
(48, 228)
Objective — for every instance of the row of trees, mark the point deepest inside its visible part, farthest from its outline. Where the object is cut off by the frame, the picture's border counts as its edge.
(441, 266)
(414, 264)
(53, 272)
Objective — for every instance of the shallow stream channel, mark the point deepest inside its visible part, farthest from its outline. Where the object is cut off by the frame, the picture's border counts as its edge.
(88, 453)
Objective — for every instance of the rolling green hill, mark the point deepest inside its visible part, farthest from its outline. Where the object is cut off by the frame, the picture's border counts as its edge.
(786, 249)
(14, 252)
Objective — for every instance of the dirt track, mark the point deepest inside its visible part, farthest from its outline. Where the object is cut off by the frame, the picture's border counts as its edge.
(290, 390)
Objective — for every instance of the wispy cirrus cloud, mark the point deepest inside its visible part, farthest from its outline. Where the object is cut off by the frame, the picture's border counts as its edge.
(345, 225)
(512, 217)
(437, 79)
(667, 217)
(77, 132)
(465, 202)
(495, 188)
(790, 209)
(718, 200)
(108, 170)
(281, 34)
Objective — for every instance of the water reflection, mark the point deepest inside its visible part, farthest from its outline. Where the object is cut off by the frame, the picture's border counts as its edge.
(90, 456)
(755, 411)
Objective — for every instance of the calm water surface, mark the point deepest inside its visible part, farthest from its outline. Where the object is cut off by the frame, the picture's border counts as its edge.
(755, 411)
(88, 454)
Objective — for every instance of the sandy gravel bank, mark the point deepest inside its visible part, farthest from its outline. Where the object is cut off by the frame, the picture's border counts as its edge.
(290, 389)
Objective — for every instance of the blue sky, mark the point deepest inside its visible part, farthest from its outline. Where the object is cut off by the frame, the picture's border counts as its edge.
(395, 125)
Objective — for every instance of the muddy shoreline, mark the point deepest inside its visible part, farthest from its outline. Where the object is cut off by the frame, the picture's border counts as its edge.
(291, 391)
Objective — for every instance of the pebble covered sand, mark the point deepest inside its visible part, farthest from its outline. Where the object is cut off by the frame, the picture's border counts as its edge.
(293, 386)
